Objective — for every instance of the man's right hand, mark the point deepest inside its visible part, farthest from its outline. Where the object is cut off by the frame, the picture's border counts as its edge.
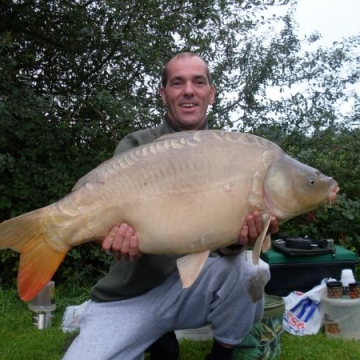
(122, 243)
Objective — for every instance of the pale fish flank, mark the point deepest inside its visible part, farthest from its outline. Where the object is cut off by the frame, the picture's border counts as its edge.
(186, 193)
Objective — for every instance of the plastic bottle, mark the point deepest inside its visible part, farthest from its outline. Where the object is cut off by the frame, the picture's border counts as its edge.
(43, 306)
(347, 277)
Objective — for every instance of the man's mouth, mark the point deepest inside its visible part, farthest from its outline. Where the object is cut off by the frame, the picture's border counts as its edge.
(188, 105)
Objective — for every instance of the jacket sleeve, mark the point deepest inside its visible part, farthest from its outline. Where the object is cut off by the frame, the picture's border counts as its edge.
(135, 139)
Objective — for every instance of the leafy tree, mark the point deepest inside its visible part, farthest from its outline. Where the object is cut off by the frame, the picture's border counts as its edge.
(76, 76)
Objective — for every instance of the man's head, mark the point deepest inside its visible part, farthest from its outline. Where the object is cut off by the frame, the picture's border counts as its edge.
(186, 91)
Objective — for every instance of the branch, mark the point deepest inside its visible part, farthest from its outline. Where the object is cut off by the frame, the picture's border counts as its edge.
(112, 52)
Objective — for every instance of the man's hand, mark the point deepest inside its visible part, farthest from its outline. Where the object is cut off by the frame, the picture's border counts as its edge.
(122, 243)
(250, 232)
(253, 227)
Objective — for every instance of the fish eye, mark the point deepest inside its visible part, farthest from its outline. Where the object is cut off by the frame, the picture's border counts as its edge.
(311, 181)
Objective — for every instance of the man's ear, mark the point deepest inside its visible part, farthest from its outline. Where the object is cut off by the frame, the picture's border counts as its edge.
(162, 94)
(212, 94)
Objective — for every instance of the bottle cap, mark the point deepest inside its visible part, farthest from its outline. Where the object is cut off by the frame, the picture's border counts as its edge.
(332, 284)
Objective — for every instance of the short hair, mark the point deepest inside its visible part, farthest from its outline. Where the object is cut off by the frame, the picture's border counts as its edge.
(164, 77)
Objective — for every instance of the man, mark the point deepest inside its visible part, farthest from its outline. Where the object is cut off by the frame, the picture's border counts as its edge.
(140, 302)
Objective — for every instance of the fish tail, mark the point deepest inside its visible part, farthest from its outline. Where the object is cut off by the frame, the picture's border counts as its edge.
(38, 259)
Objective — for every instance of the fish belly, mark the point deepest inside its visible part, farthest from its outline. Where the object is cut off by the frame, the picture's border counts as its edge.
(185, 223)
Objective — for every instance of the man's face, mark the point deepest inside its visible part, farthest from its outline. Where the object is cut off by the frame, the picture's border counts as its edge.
(187, 93)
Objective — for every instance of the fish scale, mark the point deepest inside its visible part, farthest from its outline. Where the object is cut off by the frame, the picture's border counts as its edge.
(186, 193)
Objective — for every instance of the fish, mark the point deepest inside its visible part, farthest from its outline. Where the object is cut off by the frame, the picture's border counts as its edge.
(186, 193)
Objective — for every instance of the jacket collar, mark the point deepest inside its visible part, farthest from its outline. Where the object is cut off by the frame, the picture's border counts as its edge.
(168, 127)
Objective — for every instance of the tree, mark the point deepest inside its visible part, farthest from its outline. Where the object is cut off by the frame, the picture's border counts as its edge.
(76, 76)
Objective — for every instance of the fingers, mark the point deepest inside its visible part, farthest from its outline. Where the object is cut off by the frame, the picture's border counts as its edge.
(274, 225)
(243, 237)
(134, 253)
(107, 242)
(122, 243)
(253, 227)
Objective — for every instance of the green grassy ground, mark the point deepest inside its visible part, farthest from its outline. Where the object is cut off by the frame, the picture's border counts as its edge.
(20, 340)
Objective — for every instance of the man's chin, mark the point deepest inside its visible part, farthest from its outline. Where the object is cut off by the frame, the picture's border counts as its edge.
(187, 122)
(192, 125)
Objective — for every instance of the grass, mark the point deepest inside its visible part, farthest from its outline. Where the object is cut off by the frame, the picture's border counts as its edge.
(20, 339)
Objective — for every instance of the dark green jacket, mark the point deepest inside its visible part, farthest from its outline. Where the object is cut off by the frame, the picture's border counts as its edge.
(132, 278)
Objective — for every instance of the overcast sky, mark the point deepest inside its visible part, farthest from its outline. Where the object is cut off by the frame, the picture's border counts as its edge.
(334, 19)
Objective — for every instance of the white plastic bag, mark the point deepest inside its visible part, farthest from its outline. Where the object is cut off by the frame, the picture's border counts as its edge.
(304, 311)
(70, 320)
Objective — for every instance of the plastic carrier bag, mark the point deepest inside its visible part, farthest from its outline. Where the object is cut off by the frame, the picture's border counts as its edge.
(304, 311)
(70, 320)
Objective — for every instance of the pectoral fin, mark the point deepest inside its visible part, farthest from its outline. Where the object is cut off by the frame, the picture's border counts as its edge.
(189, 266)
(263, 242)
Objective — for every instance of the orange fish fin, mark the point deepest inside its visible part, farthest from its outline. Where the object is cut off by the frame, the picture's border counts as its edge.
(38, 263)
(189, 266)
(38, 259)
(263, 240)
(15, 232)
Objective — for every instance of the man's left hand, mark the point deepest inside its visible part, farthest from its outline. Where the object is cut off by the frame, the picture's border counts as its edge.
(254, 226)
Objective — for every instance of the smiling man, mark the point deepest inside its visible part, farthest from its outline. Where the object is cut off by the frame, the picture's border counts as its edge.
(140, 302)
(187, 92)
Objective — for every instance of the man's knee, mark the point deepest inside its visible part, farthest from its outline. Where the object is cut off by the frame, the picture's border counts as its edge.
(256, 283)
(251, 276)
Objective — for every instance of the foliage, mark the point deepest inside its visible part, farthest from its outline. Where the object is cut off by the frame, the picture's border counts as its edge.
(334, 151)
(76, 76)
(82, 264)
(340, 221)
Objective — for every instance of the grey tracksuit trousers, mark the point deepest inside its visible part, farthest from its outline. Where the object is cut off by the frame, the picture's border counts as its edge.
(228, 294)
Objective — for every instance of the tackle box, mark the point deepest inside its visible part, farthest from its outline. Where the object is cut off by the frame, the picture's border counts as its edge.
(303, 272)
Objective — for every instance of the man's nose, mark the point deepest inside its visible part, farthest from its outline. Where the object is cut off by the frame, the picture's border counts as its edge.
(188, 89)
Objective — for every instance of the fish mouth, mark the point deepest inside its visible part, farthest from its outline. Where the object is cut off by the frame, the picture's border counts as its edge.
(333, 193)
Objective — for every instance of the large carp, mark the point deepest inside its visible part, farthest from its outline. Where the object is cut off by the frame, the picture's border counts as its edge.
(185, 193)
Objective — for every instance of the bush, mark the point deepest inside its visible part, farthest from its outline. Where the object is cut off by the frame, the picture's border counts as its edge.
(83, 264)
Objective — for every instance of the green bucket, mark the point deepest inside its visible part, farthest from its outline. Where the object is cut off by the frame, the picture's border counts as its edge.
(263, 342)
